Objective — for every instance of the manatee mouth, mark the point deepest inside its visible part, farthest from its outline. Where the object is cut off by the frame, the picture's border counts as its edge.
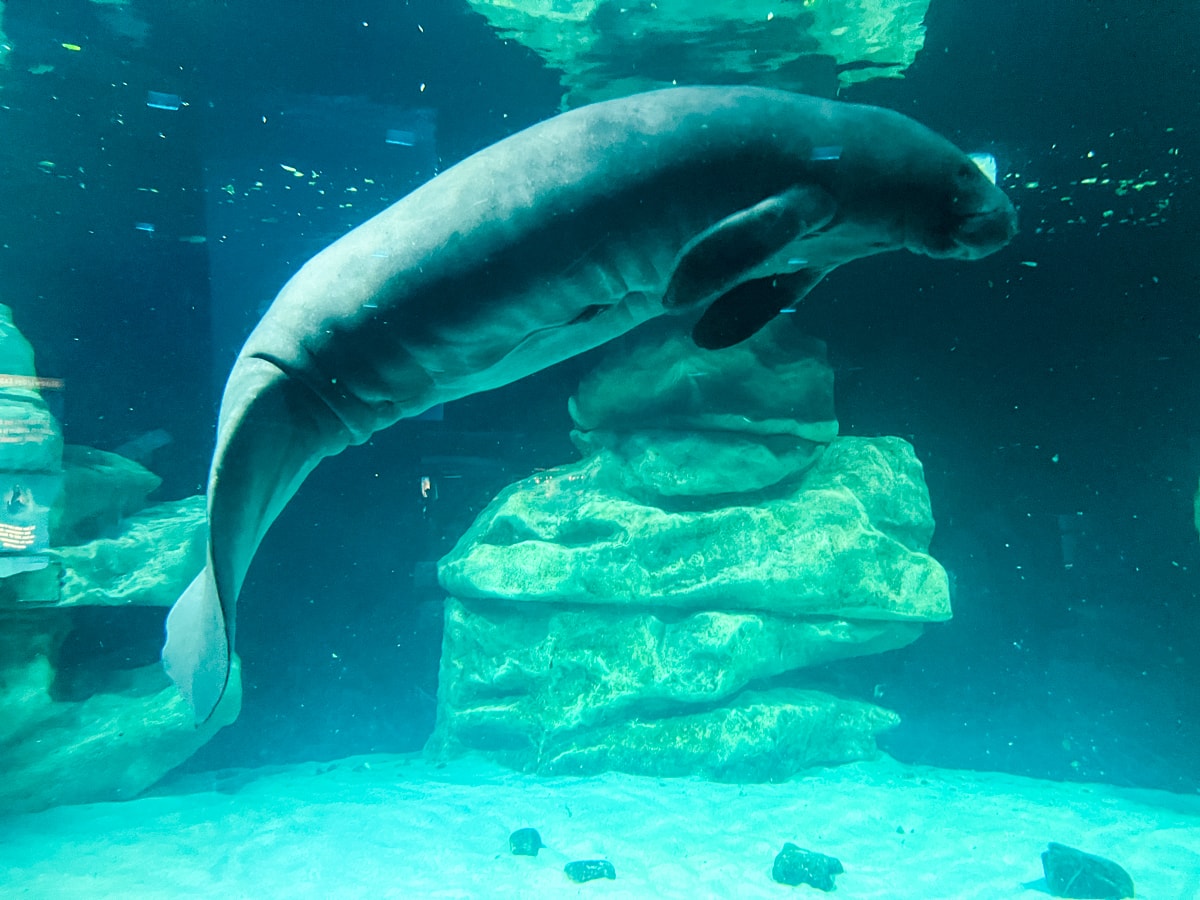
(963, 235)
(981, 233)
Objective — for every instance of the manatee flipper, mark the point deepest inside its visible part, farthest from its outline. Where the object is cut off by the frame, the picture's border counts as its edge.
(745, 308)
(274, 430)
(714, 260)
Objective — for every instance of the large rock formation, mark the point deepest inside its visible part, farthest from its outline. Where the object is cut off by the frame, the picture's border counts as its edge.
(648, 608)
(611, 48)
(77, 533)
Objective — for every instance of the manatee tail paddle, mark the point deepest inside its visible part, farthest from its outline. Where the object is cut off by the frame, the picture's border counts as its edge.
(197, 653)
(273, 431)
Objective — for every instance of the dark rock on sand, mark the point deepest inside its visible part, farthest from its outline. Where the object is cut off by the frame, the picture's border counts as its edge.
(589, 870)
(795, 866)
(525, 842)
(1073, 873)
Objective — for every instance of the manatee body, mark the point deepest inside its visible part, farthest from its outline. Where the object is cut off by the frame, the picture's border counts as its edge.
(725, 202)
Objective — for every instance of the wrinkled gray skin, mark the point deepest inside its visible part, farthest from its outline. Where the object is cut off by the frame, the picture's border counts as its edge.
(733, 202)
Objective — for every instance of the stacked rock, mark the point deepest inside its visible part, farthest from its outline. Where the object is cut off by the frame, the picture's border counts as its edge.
(651, 607)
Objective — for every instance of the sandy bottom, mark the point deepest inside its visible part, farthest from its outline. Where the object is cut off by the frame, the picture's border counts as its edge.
(395, 826)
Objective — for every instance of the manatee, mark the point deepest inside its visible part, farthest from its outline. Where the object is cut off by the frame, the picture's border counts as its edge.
(722, 205)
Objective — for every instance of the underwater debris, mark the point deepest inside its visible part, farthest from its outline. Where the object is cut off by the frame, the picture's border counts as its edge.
(795, 866)
(1073, 873)
(589, 870)
(525, 842)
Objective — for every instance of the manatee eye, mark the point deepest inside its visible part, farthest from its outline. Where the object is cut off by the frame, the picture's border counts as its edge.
(964, 170)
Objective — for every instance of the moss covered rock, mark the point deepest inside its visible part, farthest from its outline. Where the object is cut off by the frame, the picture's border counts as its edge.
(759, 736)
(551, 688)
(850, 538)
(652, 607)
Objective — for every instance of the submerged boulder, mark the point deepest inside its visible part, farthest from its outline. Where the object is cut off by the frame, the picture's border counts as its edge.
(651, 608)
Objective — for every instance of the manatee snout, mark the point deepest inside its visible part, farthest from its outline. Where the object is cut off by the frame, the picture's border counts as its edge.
(987, 230)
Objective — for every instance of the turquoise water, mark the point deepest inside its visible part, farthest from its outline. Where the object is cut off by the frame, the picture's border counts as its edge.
(167, 170)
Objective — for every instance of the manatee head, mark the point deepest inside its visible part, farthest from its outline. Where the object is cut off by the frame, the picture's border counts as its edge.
(933, 198)
(958, 213)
